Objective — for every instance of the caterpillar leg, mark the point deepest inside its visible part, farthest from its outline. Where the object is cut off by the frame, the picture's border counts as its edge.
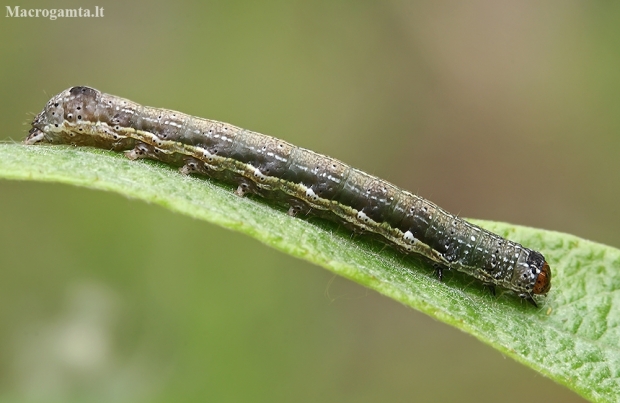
(194, 166)
(439, 270)
(529, 299)
(297, 208)
(491, 288)
(141, 150)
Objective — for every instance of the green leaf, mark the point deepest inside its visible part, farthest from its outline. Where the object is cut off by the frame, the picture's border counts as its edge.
(572, 337)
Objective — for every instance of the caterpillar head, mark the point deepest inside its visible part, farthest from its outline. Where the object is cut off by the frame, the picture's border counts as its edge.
(543, 281)
(68, 107)
(539, 273)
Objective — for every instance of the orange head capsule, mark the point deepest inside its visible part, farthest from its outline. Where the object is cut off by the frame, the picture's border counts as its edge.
(543, 281)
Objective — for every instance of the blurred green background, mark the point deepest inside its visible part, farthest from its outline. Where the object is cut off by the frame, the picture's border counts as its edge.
(503, 110)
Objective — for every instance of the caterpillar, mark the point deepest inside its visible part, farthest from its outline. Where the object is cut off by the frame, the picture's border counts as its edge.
(305, 181)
